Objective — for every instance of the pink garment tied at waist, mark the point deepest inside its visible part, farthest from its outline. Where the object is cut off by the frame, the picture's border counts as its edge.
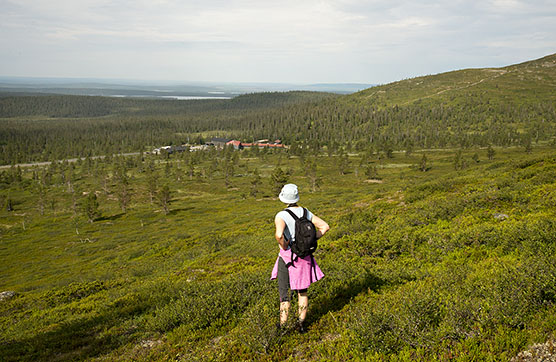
(302, 273)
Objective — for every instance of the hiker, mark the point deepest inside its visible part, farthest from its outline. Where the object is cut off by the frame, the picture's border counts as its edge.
(293, 272)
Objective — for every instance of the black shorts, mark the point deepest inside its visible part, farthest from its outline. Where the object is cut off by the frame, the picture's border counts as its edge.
(284, 282)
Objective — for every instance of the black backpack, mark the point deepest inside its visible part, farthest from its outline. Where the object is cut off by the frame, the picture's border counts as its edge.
(305, 241)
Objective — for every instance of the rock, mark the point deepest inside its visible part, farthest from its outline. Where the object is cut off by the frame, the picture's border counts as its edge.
(542, 352)
(6, 295)
(500, 217)
(150, 343)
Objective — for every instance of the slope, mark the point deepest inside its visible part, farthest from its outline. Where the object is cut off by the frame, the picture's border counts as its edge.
(420, 264)
(530, 81)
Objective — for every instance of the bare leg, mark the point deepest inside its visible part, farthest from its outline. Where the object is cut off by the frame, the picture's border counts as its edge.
(303, 305)
(284, 311)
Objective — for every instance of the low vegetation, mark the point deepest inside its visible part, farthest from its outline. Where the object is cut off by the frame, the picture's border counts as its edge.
(451, 260)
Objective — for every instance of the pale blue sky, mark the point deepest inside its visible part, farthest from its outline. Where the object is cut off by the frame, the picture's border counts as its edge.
(301, 41)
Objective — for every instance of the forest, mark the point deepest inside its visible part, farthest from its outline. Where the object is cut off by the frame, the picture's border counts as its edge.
(442, 241)
(510, 106)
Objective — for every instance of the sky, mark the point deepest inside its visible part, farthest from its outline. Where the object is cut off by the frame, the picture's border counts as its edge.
(284, 41)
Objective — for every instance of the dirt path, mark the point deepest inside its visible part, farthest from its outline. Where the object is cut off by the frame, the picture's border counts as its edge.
(46, 163)
(499, 73)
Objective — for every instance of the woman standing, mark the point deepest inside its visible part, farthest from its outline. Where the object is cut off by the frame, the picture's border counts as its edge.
(299, 273)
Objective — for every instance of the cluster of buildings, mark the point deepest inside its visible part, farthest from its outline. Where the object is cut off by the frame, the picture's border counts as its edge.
(220, 143)
(238, 145)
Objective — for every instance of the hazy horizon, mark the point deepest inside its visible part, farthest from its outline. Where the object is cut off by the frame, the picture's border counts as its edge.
(309, 42)
(161, 89)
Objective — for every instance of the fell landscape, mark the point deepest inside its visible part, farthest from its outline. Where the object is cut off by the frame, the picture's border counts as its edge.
(439, 190)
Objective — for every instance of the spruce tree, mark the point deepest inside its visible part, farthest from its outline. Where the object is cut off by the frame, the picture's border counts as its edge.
(343, 163)
(90, 207)
(423, 166)
(152, 183)
(311, 173)
(164, 197)
(490, 152)
(278, 179)
(255, 183)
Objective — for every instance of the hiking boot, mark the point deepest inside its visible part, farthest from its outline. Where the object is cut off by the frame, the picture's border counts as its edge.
(281, 330)
(301, 327)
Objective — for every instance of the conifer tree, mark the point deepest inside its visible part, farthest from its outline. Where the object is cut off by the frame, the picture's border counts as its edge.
(70, 175)
(74, 202)
(123, 189)
(164, 197)
(458, 161)
(343, 162)
(371, 171)
(167, 168)
(90, 207)
(423, 166)
(152, 183)
(212, 168)
(311, 173)
(124, 193)
(9, 204)
(41, 198)
(190, 168)
(408, 149)
(255, 182)
(528, 146)
(277, 180)
(490, 152)
(228, 171)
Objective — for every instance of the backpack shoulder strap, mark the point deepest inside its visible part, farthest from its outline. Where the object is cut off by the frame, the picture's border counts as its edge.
(292, 214)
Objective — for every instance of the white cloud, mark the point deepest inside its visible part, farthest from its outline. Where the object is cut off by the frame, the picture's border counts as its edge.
(283, 40)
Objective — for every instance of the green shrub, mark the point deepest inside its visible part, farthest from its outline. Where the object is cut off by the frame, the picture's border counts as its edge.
(215, 304)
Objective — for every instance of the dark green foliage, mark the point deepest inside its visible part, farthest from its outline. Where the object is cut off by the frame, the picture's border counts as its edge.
(255, 183)
(164, 197)
(8, 204)
(459, 161)
(123, 189)
(152, 182)
(311, 173)
(423, 164)
(371, 171)
(90, 206)
(343, 162)
(490, 152)
(277, 180)
(528, 146)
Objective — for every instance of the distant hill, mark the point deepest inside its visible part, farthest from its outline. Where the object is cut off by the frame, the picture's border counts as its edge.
(532, 81)
(64, 106)
(340, 88)
(139, 89)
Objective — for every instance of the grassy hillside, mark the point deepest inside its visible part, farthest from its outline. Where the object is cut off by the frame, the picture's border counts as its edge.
(441, 264)
(532, 81)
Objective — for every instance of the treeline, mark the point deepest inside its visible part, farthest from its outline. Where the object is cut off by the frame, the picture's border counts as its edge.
(70, 106)
(300, 118)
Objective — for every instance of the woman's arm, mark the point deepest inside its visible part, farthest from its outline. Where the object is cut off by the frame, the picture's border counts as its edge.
(321, 225)
(279, 234)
